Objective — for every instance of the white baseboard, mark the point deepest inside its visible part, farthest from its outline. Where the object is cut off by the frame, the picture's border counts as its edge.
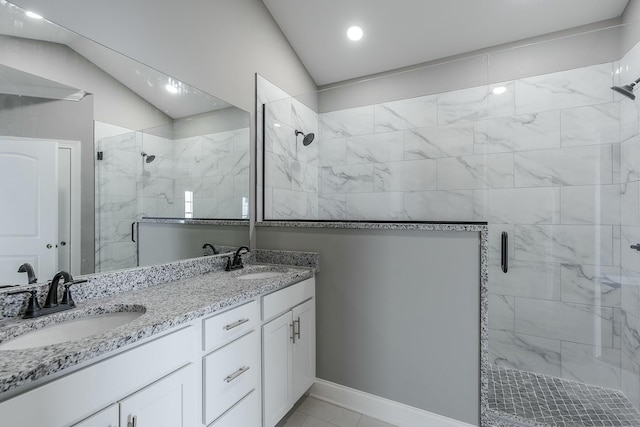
(380, 408)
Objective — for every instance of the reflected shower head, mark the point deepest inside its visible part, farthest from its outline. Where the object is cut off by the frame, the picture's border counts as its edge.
(627, 90)
(308, 138)
(149, 158)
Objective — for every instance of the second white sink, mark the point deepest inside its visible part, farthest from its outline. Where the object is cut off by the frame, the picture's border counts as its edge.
(70, 330)
(260, 275)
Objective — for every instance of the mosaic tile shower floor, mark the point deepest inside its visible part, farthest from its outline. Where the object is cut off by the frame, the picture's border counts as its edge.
(539, 400)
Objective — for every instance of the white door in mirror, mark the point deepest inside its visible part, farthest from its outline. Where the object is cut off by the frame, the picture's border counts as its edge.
(29, 208)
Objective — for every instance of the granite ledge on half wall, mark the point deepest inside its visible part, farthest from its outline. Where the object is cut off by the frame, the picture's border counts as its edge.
(367, 225)
(226, 222)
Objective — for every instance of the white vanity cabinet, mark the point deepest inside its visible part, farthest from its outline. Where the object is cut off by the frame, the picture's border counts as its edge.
(212, 372)
(231, 367)
(161, 404)
(288, 348)
(134, 382)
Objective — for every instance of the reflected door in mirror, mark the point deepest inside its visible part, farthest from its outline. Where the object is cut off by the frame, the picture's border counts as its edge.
(29, 207)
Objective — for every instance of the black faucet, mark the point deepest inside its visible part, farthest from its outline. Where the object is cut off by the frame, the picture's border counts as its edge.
(51, 305)
(31, 276)
(236, 263)
(52, 296)
(209, 249)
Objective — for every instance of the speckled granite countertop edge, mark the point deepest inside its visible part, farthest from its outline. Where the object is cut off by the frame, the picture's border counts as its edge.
(167, 306)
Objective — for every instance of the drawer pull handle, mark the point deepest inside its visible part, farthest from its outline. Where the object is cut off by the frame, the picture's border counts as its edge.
(235, 324)
(293, 332)
(132, 423)
(236, 374)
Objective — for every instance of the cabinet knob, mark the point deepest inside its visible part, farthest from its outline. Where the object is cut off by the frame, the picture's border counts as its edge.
(49, 245)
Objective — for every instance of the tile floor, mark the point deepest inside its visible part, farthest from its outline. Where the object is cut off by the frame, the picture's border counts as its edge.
(311, 412)
(541, 400)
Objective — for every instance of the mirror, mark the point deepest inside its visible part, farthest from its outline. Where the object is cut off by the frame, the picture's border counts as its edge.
(115, 151)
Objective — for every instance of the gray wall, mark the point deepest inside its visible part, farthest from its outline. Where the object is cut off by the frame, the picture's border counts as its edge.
(161, 243)
(66, 120)
(397, 313)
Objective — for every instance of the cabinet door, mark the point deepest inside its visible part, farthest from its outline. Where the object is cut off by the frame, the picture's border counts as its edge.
(304, 348)
(105, 418)
(165, 403)
(277, 368)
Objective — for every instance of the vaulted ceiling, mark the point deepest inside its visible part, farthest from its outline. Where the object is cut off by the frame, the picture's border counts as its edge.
(400, 33)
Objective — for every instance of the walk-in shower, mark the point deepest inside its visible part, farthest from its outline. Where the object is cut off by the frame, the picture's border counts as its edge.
(550, 159)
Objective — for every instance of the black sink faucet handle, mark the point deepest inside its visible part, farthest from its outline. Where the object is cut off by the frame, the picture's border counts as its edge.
(67, 299)
(237, 260)
(32, 304)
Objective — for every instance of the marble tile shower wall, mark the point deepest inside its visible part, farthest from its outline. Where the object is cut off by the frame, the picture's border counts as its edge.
(215, 168)
(291, 169)
(540, 161)
(117, 206)
(629, 68)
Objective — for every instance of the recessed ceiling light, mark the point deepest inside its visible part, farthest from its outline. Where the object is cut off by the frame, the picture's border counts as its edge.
(32, 15)
(499, 90)
(354, 33)
(171, 88)
(277, 125)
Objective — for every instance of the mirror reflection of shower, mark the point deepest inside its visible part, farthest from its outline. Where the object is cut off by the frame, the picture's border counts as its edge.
(627, 90)
(148, 158)
(308, 138)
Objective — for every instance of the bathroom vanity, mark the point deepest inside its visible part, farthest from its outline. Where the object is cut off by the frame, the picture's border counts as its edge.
(208, 351)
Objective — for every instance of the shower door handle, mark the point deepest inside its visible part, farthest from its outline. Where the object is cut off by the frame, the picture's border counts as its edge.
(133, 232)
(504, 256)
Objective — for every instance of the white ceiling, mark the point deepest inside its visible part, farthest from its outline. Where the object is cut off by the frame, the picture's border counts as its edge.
(146, 82)
(400, 33)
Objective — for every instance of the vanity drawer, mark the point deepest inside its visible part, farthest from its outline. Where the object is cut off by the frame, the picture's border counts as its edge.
(229, 325)
(287, 298)
(230, 373)
(244, 413)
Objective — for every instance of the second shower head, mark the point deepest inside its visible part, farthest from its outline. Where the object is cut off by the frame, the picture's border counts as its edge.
(308, 138)
(627, 90)
(148, 158)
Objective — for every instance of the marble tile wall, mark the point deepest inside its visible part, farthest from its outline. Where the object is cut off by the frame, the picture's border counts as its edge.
(117, 187)
(554, 160)
(214, 167)
(629, 312)
(291, 181)
(540, 161)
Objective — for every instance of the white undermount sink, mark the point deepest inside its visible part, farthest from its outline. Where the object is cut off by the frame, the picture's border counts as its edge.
(260, 275)
(70, 330)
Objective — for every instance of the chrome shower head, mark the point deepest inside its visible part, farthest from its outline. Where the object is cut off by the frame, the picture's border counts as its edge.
(627, 90)
(148, 158)
(308, 138)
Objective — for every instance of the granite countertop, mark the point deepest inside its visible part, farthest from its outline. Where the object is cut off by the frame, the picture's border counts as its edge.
(165, 306)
